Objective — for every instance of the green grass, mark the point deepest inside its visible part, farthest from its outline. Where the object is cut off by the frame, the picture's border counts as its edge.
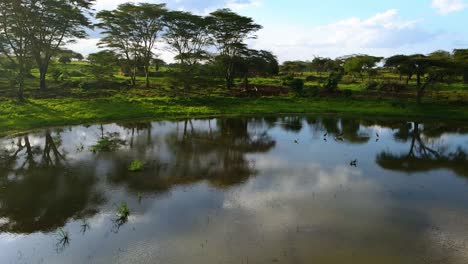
(39, 113)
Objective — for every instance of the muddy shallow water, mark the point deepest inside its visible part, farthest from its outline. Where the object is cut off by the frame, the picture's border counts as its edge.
(237, 190)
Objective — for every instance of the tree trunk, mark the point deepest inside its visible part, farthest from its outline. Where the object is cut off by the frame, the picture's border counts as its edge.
(147, 77)
(418, 79)
(421, 90)
(42, 78)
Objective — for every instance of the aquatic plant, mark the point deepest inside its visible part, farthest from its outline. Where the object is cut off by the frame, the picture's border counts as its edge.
(63, 240)
(136, 165)
(123, 211)
(84, 226)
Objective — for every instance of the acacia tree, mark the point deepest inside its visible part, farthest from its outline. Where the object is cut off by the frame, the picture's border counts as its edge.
(15, 40)
(229, 31)
(132, 31)
(256, 62)
(187, 37)
(320, 64)
(52, 24)
(360, 64)
(433, 68)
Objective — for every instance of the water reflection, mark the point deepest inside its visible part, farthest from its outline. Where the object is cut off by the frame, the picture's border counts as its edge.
(238, 190)
(426, 152)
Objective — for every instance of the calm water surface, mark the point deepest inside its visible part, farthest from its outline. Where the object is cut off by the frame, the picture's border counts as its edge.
(244, 190)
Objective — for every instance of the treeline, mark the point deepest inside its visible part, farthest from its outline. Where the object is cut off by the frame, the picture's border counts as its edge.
(32, 32)
(438, 66)
(208, 49)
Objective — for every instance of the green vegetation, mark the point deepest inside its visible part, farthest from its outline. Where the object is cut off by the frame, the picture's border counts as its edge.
(214, 73)
(123, 212)
(37, 113)
(136, 165)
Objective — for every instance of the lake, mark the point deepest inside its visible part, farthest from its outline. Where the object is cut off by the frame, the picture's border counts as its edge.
(273, 189)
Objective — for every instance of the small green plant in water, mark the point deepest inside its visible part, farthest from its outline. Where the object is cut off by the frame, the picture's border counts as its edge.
(123, 211)
(136, 165)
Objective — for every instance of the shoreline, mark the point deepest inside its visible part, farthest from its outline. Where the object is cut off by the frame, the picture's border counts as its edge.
(18, 118)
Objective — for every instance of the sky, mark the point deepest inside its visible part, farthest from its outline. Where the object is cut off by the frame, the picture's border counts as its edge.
(304, 29)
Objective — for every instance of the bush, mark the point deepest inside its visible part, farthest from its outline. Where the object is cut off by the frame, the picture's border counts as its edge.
(371, 85)
(287, 78)
(333, 81)
(76, 74)
(297, 85)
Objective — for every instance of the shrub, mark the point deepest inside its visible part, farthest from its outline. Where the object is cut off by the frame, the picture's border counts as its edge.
(371, 85)
(333, 80)
(76, 74)
(297, 85)
(287, 78)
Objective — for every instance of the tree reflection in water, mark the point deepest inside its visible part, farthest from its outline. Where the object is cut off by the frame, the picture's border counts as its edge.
(40, 190)
(421, 157)
(197, 153)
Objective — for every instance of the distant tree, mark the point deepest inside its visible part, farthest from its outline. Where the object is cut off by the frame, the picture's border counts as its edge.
(402, 65)
(292, 67)
(360, 65)
(440, 54)
(132, 31)
(102, 64)
(257, 63)
(65, 56)
(64, 59)
(320, 65)
(229, 31)
(461, 57)
(157, 63)
(434, 67)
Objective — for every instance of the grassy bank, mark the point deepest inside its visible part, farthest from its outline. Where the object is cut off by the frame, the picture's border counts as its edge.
(38, 113)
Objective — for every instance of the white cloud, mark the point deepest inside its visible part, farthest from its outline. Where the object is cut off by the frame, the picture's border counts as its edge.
(382, 34)
(445, 7)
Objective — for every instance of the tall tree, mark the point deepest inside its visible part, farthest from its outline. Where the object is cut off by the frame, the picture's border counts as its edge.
(229, 31)
(188, 38)
(132, 31)
(52, 24)
(15, 40)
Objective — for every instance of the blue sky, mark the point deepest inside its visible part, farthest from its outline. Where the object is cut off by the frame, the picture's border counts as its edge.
(302, 29)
